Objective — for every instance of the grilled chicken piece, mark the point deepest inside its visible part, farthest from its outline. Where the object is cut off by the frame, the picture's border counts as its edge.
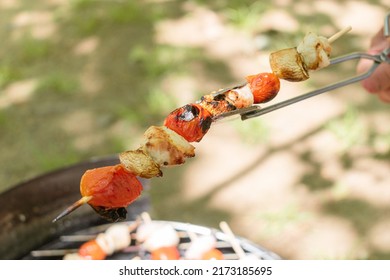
(166, 147)
(288, 64)
(241, 97)
(293, 64)
(153, 236)
(115, 238)
(315, 51)
(203, 248)
(217, 104)
(140, 163)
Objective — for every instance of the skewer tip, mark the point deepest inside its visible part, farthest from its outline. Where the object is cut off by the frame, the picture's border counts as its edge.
(72, 207)
(146, 217)
(232, 239)
(340, 33)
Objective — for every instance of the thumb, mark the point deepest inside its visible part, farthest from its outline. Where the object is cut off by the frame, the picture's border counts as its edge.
(369, 84)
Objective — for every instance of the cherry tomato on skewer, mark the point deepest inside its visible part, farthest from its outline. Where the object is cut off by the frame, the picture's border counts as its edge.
(213, 254)
(110, 186)
(264, 86)
(166, 253)
(191, 121)
(91, 250)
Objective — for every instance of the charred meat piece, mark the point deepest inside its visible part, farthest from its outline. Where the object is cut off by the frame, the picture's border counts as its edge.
(217, 104)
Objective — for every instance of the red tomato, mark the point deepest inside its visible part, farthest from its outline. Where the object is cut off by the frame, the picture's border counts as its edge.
(264, 86)
(92, 251)
(213, 254)
(191, 121)
(166, 253)
(110, 186)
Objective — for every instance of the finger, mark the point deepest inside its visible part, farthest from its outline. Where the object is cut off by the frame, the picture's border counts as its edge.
(379, 46)
(382, 77)
(363, 66)
(370, 85)
(379, 80)
(378, 38)
(384, 95)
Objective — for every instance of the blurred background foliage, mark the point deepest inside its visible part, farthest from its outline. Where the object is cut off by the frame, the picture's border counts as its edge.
(84, 78)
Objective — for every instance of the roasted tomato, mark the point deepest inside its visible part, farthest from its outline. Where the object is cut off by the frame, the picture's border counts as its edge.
(92, 251)
(213, 254)
(191, 121)
(110, 186)
(166, 253)
(264, 86)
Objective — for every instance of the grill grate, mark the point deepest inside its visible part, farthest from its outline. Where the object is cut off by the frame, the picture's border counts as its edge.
(70, 243)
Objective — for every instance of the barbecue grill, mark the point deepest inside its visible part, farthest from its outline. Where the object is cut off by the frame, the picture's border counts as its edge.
(27, 211)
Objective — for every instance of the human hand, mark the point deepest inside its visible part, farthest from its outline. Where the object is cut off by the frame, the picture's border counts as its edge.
(379, 82)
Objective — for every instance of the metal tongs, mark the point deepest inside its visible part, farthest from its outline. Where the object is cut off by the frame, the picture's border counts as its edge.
(255, 110)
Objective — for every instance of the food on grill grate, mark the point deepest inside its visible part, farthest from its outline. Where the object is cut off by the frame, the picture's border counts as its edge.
(115, 238)
(153, 240)
(168, 145)
(203, 248)
(90, 250)
(160, 239)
